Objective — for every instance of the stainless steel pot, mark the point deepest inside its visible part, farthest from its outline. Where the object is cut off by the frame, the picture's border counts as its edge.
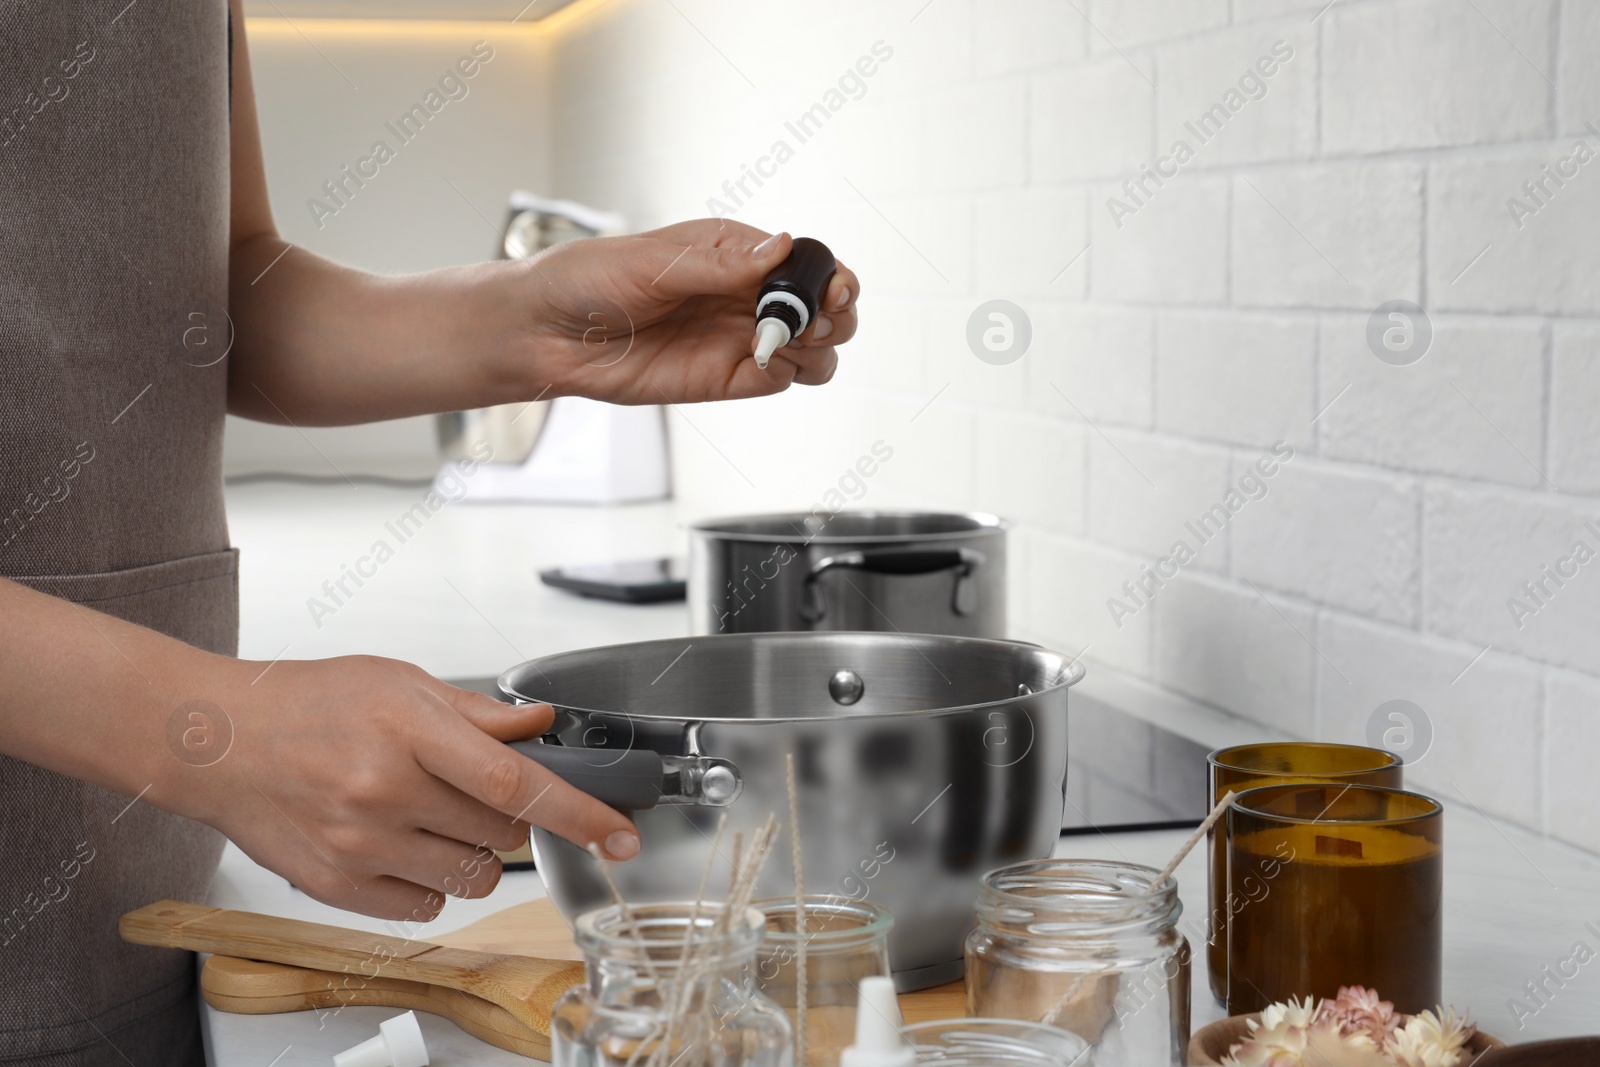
(911, 572)
(924, 762)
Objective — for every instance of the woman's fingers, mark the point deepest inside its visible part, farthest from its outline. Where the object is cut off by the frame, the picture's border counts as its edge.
(447, 866)
(842, 290)
(385, 897)
(831, 328)
(709, 231)
(514, 785)
(450, 813)
(671, 272)
(812, 366)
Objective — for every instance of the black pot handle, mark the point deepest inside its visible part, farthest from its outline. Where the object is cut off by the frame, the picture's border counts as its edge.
(637, 779)
(630, 780)
(895, 561)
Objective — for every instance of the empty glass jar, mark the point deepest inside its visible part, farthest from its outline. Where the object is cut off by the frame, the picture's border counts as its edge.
(1087, 946)
(650, 1001)
(846, 941)
(992, 1043)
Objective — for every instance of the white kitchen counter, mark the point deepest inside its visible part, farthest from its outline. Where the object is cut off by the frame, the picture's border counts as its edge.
(462, 598)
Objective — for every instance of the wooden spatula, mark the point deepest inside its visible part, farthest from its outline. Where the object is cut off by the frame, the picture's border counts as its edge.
(249, 987)
(525, 987)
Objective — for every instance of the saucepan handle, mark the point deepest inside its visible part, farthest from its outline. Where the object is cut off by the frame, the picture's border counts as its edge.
(637, 779)
(900, 560)
(629, 780)
(892, 561)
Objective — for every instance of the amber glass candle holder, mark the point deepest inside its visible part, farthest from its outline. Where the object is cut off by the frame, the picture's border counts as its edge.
(1244, 767)
(1356, 896)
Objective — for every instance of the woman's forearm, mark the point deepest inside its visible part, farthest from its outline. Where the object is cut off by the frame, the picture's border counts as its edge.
(366, 782)
(318, 344)
(90, 696)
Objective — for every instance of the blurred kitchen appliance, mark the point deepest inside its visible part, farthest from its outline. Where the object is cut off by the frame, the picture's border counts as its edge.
(569, 450)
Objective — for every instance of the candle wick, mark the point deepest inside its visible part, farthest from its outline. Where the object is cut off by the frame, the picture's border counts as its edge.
(1194, 839)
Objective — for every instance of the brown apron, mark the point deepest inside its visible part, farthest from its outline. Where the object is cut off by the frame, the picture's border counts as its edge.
(113, 284)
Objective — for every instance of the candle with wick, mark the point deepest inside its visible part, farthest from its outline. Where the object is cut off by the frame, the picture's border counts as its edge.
(1357, 898)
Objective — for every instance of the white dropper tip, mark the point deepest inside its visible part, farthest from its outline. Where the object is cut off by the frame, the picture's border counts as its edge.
(771, 335)
(398, 1044)
(878, 1040)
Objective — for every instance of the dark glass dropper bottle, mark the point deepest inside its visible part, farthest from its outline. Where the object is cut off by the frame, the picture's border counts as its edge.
(791, 296)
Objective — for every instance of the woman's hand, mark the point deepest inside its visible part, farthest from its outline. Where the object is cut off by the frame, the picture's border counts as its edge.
(377, 788)
(668, 316)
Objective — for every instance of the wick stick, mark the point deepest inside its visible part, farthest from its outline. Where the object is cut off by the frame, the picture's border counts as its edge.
(626, 912)
(690, 943)
(1194, 839)
(1094, 977)
(800, 1057)
(735, 865)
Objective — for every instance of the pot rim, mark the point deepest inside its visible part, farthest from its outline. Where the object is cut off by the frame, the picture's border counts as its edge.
(985, 525)
(1072, 672)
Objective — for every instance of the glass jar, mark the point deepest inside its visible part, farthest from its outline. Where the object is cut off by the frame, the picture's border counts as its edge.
(649, 1003)
(1244, 767)
(845, 941)
(1089, 947)
(992, 1043)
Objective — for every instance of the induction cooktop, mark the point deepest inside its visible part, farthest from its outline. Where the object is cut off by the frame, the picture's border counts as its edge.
(1123, 772)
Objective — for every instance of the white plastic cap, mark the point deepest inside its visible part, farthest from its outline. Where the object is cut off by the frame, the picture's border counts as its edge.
(398, 1044)
(771, 335)
(878, 1041)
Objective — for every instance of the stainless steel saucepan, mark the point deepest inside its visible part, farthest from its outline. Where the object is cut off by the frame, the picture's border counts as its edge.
(923, 762)
(907, 571)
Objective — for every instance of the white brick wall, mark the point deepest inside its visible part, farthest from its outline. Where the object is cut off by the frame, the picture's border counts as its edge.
(1487, 736)
(1539, 262)
(1091, 120)
(1482, 546)
(1235, 376)
(1272, 117)
(1575, 409)
(1473, 407)
(1401, 75)
(1238, 649)
(1339, 537)
(1574, 739)
(1173, 250)
(1227, 311)
(1094, 362)
(1143, 489)
(1328, 237)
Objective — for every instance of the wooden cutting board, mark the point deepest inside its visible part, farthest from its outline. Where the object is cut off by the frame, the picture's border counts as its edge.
(532, 929)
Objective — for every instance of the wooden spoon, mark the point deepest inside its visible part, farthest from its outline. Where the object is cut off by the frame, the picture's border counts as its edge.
(525, 987)
(249, 987)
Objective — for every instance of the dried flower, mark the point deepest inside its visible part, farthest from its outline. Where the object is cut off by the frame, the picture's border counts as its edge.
(1296, 1033)
(1429, 1040)
(1359, 1011)
(1300, 1013)
(1282, 1045)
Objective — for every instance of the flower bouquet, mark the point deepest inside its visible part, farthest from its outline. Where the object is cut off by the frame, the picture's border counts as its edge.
(1354, 1029)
